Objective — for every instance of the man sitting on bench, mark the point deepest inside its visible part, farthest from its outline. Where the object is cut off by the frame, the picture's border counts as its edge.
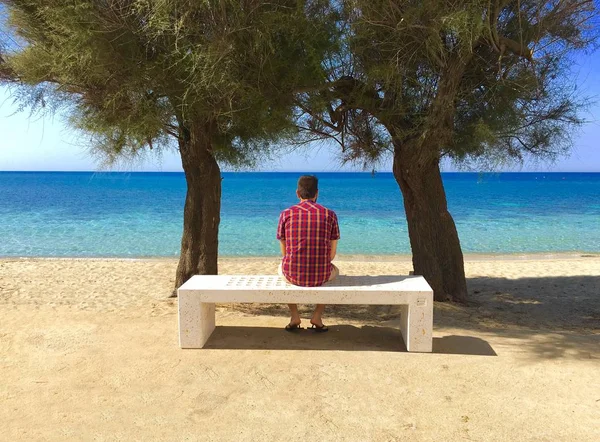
(308, 234)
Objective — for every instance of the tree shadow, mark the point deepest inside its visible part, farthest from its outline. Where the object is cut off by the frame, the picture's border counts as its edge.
(556, 303)
(548, 317)
(561, 303)
(339, 338)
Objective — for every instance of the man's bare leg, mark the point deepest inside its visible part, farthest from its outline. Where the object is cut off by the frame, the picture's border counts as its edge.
(295, 320)
(317, 315)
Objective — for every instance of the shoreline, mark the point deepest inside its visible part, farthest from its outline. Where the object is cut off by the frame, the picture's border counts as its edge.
(468, 257)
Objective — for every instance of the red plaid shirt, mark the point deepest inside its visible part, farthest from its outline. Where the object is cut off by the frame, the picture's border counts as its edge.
(308, 229)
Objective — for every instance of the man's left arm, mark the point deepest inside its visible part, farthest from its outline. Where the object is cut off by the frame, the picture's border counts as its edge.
(281, 233)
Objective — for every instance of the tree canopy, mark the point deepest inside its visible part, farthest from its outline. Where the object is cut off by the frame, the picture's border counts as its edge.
(482, 79)
(133, 73)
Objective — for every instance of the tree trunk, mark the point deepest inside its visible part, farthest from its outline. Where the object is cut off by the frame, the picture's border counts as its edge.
(201, 215)
(433, 237)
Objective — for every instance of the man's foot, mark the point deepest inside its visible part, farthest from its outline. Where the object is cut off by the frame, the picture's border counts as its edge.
(293, 326)
(319, 328)
(316, 321)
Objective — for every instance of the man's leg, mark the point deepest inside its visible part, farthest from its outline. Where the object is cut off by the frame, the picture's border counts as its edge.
(317, 317)
(295, 320)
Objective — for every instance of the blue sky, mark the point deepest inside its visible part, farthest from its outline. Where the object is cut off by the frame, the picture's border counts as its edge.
(48, 144)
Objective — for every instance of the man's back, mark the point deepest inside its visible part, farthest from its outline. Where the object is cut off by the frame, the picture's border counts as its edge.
(308, 229)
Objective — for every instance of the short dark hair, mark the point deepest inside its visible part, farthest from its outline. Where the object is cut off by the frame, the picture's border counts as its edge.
(308, 186)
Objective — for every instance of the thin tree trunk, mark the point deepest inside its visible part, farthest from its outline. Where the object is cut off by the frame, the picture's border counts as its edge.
(201, 215)
(433, 237)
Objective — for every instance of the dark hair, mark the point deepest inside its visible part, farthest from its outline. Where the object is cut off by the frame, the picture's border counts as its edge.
(308, 186)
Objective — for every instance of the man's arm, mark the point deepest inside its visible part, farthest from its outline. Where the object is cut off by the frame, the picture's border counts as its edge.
(334, 235)
(333, 249)
(281, 232)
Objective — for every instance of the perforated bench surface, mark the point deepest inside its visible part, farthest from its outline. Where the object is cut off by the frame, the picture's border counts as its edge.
(385, 290)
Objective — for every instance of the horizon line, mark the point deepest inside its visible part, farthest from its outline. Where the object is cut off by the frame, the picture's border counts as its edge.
(293, 171)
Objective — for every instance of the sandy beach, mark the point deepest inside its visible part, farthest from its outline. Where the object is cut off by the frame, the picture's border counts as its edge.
(89, 351)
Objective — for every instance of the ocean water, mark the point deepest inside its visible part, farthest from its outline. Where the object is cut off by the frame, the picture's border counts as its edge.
(140, 214)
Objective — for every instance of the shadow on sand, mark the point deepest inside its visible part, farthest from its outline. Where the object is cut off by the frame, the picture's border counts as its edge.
(563, 303)
(548, 317)
(367, 280)
(339, 338)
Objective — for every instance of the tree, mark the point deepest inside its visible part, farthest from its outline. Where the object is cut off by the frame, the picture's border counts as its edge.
(474, 81)
(215, 78)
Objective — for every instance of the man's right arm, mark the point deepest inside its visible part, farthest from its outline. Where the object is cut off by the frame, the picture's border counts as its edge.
(282, 246)
(333, 249)
(334, 235)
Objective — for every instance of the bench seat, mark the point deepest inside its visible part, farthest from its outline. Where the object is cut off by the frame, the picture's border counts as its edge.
(197, 298)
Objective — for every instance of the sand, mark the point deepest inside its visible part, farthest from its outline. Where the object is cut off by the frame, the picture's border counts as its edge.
(88, 351)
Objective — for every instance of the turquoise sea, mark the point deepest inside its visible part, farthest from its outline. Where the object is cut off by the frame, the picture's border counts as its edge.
(85, 214)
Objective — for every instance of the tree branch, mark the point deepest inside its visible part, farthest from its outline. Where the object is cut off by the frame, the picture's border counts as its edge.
(516, 48)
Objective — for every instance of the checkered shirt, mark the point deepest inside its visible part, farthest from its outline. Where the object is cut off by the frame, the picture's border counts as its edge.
(308, 229)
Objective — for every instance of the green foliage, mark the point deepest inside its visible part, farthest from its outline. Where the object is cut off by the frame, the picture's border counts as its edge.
(475, 80)
(139, 73)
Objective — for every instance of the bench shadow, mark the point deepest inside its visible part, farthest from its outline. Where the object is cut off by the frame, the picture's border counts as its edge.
(339, 338)
(462, 345)
(366, 280)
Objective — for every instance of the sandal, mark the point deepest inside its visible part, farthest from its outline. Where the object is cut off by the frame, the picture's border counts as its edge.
(319, 329)
(293, 327)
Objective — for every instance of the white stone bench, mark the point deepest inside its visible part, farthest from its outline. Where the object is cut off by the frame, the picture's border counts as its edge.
(197, 298)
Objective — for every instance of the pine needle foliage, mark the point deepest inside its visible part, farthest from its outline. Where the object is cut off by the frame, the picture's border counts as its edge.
(135, 74)
(484, 82)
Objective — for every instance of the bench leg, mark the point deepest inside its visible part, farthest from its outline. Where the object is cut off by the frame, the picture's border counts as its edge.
(416, 325)
(196, 320)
